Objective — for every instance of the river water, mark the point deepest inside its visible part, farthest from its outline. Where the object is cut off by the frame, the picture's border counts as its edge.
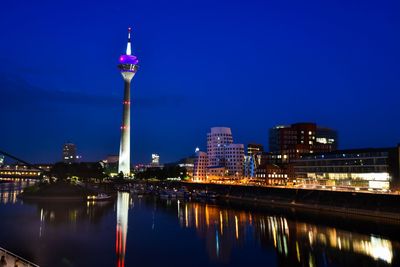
(148, 231)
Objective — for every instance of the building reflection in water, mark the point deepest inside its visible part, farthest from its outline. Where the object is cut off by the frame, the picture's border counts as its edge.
(9, 191)
(295, 243)
(122, 227)
(71, 214)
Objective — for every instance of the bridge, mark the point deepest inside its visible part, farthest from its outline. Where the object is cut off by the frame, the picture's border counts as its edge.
(24, 170)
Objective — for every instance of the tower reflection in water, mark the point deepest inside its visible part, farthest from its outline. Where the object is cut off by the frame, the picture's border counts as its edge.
(295, 243)
(122, 227)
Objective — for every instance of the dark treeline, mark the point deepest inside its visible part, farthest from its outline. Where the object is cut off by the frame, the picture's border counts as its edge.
(83, 170)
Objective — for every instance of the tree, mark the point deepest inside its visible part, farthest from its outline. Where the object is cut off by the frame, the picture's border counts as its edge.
(83, 170)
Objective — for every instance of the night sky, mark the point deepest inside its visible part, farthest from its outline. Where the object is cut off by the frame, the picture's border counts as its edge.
(248, 65)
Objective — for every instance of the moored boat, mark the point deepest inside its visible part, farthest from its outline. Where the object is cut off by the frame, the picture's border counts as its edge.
(99, 197)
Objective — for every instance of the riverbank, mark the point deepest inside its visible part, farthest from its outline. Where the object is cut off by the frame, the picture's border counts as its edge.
(59, 191)
(351, 204)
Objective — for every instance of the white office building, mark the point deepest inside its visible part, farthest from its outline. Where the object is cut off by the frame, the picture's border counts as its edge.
(200, 167)
(234, 159)
(217, 140)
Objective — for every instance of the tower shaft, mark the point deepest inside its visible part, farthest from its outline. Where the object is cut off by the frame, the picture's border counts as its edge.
(125, 144)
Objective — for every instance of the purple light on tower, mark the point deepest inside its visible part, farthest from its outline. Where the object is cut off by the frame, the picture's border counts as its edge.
(128, 65)
(128, 59)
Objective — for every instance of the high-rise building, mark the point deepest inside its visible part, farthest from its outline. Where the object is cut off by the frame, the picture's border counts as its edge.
(128, 65)
(155, 160)
(69, 153)
(254, 149)
(1, 160)
(288, 142)
(234, 159)
(223, 154)
(217, 140)
(200, 166)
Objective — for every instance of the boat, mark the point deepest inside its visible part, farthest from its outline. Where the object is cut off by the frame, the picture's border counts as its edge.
(205, 195)
(164, 195)
(183, 194)
(99, 197)
(180, 194)
(212, 195)
(167, 194)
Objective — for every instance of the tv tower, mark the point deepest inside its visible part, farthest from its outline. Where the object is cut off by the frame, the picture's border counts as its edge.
(128, 65)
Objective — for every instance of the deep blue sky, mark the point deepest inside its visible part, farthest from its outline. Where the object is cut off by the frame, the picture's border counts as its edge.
(248, 65)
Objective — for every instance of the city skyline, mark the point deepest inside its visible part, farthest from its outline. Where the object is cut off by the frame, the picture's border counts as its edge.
(275, 65)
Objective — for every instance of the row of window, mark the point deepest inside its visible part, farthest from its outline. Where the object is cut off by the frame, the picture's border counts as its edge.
(359, 169)
(349, 155)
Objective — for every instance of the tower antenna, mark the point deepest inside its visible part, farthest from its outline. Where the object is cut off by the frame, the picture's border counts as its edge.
(128, 46)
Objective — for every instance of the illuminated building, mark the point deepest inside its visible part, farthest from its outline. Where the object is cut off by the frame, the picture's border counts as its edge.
(19, 173)
(253, 159)
(216, 172)
(375, 168)
(200, 166)
(217, 140)
(249, 166)
(289, 142)
(69, 153)
(188, 164)
(254, 149)
(110, 165)
(222, 152)
(272, 174)
(128, 65)
(24, 171)
(1, 160)
(234, 159)
(155, 160)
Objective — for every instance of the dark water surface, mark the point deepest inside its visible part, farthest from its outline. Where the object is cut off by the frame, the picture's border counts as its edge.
(152, 232)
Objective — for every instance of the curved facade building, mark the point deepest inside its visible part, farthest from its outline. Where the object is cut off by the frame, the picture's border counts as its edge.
(217, 140)
(200, 167)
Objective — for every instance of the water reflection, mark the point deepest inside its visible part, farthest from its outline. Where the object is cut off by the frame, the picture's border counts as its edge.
(95, 234)
(10, 190)
(122, 227)
(58, 213)
(295, 243)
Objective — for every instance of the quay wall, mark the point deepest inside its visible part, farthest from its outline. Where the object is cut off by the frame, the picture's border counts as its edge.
(357, 203)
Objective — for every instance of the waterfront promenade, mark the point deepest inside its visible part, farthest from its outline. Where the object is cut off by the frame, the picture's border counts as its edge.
(14, 260)
(378, 205)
